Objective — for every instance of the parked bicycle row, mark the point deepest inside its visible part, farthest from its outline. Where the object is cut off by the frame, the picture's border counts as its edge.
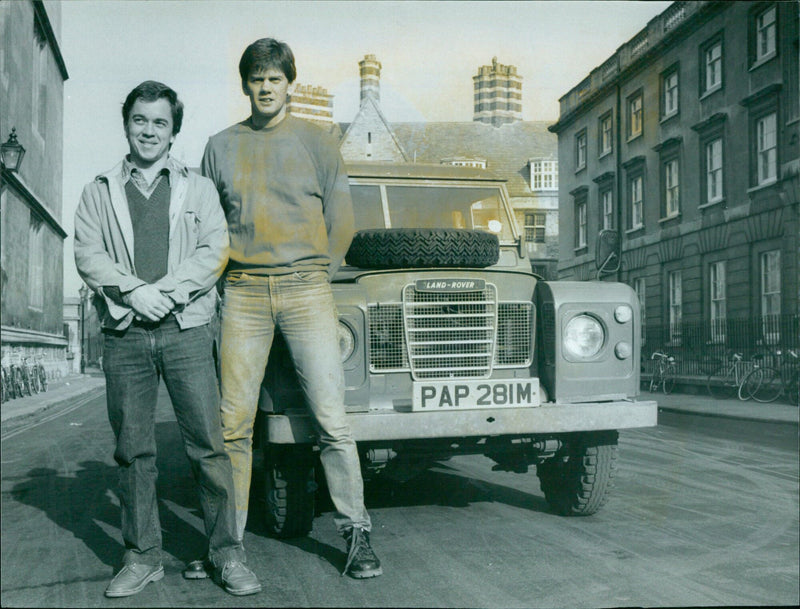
(761, 378)
(22, 378)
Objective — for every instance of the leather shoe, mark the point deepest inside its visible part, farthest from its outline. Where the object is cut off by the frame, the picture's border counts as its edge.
(133, 578)
(197, 569)
(237, 579)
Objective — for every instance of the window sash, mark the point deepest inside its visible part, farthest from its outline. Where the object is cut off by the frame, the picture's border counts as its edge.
(535, 227)
(635, 111)
(581, 150)
(605, 138)
(675, 304)
(544, 175)
(771, 283)
(671, 93)
(765, 37)
(714, 170)
(767, 148)
(608, 210)
(713, 66)
(672, 187)
(636, 202)
(581, 232)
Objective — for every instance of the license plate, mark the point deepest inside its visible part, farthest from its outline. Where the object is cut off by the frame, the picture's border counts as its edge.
(430, 396)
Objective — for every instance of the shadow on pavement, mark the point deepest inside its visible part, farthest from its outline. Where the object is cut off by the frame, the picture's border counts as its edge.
(82, 501)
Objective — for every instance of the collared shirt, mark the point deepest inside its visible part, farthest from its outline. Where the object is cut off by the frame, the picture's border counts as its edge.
(135, 175)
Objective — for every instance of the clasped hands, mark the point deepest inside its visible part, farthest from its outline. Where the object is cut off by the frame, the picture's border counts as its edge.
(149, 303)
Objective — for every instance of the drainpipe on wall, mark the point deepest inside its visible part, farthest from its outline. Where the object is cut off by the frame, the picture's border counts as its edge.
(618, 171)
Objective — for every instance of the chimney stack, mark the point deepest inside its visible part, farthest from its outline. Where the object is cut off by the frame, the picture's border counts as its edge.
(370, 70)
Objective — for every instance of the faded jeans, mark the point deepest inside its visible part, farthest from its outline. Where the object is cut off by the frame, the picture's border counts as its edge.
(301, 305)
(133, 361)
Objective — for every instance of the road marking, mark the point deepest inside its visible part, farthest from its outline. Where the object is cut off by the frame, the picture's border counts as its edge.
(93, 394)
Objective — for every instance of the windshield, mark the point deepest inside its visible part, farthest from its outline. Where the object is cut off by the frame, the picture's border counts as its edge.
(432, 206)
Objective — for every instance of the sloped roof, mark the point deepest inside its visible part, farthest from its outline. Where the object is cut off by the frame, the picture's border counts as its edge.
(506, 148)
(371, 107)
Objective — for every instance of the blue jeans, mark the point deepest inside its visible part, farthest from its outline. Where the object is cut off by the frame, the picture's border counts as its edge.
(134, 360)
(301, 305)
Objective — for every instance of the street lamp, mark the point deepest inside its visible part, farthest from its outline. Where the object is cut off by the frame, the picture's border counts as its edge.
(11, 152)
(84, 292)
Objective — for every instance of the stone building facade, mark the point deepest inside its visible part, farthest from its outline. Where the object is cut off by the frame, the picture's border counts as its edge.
(686, 142)
(32, 76)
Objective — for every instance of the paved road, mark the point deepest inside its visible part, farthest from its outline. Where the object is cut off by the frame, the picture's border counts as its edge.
(705, 513)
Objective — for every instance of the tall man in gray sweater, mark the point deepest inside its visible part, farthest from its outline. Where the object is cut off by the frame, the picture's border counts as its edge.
(285, 193)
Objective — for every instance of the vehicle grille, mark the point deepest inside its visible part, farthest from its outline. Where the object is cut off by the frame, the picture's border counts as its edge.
(449, 334)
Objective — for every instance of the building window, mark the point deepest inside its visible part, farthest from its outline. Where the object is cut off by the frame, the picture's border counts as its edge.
(770, 295)
(607, 206)
(669, 93)
(606, 134)
(39, 81)
(671, 188)
(636, 193)
(765, 34)
(714, 172)
(580, 223)
(544, 175)
(635, 116)
(771, 283)
(534, 227)
(718, 303)
(675, 305)
(35, 264)
(711, 66)
(580, 150)
(766, 149)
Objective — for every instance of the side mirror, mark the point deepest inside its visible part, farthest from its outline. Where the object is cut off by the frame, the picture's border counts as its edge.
(607, 252)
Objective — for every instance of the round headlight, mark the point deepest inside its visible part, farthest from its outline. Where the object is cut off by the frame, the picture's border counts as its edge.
(347, 341)
(623, 314)
(583, 336)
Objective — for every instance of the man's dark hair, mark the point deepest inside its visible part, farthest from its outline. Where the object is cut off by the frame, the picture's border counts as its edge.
(267, 53)
(150, 91)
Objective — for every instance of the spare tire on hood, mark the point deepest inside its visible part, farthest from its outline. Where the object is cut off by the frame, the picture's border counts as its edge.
(397, 248)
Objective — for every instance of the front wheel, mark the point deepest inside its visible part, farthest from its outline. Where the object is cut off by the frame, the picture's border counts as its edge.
(721, 384)
(578, 479)
(763, 385)
(669, 379)
(290, 489)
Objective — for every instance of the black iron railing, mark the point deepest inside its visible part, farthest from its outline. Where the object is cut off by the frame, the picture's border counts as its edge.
(700, 347)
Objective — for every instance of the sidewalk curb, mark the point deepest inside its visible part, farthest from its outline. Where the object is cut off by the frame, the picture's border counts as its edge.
(726, 415)
(19, 409)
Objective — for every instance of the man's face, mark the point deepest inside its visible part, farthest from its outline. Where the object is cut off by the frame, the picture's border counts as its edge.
(267, 90)
(149, 131)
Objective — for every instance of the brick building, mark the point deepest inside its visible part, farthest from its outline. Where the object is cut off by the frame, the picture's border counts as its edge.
(32, 76)
(686, 142)
(498, 94)
(311, 103)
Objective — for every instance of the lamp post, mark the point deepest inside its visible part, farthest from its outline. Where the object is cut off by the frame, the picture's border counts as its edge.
(84, 292)
(12, 152)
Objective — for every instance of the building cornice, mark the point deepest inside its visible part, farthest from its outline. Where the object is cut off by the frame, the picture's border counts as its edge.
(47, 28)
(24, 335)
(637, 160)
(668, 143)
(711, 121)
(761, 94)
(604, 177)
(19, 185)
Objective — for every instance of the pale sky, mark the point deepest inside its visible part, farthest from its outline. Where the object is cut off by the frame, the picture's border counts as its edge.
(429, 53)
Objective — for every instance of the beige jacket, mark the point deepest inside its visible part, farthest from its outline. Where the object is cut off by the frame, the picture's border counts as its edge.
(198, 246)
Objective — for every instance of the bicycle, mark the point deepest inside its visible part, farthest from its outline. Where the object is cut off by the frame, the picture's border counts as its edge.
(767, 384)
(664, 373)
(726, 381)
(31, 377)
(38, 370)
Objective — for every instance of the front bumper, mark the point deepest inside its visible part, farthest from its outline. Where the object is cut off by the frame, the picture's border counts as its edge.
(549, 418)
